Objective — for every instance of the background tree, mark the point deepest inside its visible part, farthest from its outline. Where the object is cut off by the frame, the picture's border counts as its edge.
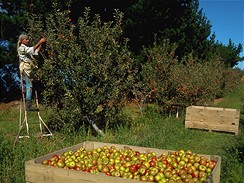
(12, 19)
(180, 21)
(230, 54)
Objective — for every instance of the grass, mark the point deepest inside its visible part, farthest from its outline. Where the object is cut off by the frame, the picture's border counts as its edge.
(150, 130)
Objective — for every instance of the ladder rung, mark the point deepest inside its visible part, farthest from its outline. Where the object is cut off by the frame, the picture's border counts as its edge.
(43, 135)
(46, 135)
(26, 136)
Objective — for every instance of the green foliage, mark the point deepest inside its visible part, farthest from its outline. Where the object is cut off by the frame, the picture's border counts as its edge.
(155, 72)
(168, 82)
(232, 78)
(230, 54)
(232, 169)
(87, 68)
(179, 21)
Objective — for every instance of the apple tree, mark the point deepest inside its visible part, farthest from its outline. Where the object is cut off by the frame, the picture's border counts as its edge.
(173, 83)
(87, 68)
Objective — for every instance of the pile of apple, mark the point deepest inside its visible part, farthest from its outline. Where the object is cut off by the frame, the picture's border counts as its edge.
(178, 166)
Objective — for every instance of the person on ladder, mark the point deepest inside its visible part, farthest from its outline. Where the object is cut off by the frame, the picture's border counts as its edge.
(26, 65)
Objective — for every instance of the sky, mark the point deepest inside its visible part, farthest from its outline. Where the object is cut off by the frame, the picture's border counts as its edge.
(227, 20)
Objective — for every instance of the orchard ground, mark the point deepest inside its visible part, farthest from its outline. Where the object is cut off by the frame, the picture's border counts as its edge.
(150, 130)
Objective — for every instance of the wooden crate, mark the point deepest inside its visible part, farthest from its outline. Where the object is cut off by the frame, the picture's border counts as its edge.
(213, 119)
(35, 172)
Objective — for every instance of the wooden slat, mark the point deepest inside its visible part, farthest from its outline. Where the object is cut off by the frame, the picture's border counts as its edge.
(213, 118)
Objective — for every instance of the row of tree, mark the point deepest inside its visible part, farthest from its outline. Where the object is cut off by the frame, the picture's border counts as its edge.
(96, 58)
(180, 21)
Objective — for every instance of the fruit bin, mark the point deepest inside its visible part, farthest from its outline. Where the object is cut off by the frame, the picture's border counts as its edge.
(213, 119)
(36, 172)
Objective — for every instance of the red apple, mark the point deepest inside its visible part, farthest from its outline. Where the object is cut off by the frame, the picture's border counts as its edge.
(133, 168)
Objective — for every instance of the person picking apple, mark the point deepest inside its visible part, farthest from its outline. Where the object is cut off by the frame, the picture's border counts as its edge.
(26, 66)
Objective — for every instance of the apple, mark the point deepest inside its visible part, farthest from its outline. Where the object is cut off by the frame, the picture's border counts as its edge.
(137, 153)
(60, 164)
(55, 157)
(189, 170)
(152, 163)
(146, 164)
(153, 171)
(133, 168)
(163, 180)
(151, 178)
(127, 158)
(144, 178)
(175, 164)
(189, 152)
(44, 162)
(169, 159)
(167, 173)
(181, 152)
(116, 174)
(158, 177)
(197, 158)
(212, 165)
(182, 171)
(208, 170)
(203, 179)
(142, 171)
(105, 169)
(182, 162)
(203, 162)
(137, 177)
(128, 175)
(202, 174)
(196, 165)
(202, 168)
(169, 167)
(79, 168)
(71, 164)
(111, 167)
(195, 174)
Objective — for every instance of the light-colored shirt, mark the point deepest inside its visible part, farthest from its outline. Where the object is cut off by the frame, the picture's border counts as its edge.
(26, 58)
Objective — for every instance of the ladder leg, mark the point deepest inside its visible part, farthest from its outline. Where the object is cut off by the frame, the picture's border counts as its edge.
(41, 120)
(20, 115)
(26, 123)
(21, 126)
(22, 106)
(50, 133)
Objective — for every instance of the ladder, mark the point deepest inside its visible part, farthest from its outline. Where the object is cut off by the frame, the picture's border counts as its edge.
(44, 130)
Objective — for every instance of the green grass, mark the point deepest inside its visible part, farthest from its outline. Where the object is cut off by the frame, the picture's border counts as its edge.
(234, 99)
(150, 130)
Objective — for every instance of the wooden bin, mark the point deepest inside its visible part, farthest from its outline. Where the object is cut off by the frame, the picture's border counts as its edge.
(213, 119)
(35, 172)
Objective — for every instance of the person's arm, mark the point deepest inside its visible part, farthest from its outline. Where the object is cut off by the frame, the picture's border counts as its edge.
(37, 46)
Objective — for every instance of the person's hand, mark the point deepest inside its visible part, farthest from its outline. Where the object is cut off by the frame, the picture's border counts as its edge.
(43, 39)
